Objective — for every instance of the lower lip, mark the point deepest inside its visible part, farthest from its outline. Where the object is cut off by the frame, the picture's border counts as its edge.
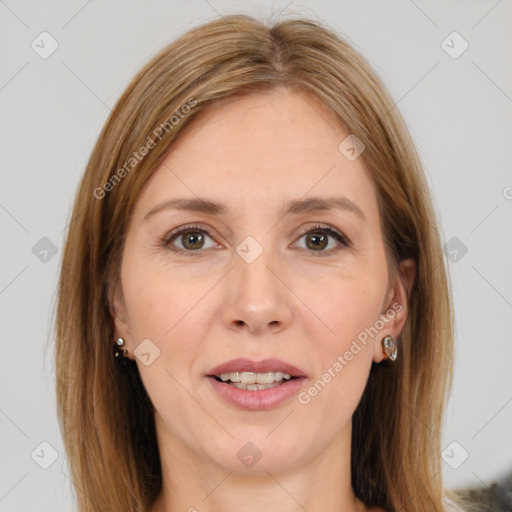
(259, 400)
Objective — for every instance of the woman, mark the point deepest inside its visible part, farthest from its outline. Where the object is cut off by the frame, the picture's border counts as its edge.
(254, 310)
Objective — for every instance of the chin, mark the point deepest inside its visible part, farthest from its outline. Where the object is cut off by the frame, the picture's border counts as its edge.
(256, 452)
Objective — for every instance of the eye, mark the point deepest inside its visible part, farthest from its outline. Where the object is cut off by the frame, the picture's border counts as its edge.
(191, 239)
(323, 240)
(188, 240)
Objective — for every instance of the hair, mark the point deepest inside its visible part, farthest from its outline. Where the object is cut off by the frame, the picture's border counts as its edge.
(105, 414)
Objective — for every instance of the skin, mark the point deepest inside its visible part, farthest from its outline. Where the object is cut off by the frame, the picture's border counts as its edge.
(254, 154)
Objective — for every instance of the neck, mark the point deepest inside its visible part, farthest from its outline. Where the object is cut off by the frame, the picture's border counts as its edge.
(194, 483)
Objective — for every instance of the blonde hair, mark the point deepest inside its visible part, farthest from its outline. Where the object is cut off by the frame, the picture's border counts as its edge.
(105, 415)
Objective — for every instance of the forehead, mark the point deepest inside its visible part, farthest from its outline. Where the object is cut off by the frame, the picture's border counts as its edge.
(260, 149)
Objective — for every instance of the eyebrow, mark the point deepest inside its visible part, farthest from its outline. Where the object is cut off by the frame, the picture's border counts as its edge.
(310, 204)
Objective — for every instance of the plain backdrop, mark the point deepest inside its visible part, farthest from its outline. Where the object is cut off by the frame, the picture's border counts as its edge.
(456, 101)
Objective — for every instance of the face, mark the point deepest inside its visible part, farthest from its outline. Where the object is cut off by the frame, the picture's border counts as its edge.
(281, 259)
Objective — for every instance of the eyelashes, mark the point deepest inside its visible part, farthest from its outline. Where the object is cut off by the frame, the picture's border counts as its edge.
(318, 235)
(168, 240)
(325, 233)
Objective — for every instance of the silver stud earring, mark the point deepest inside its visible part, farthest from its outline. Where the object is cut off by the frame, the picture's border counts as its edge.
(118, 351)
(389, 346)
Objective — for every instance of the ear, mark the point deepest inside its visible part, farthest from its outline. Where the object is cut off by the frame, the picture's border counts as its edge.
(117, 308)
(395, 309)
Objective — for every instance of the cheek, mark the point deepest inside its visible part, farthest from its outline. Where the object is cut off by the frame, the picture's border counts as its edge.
(349, 307)
(168, 311)
(346, 305)
(176, 311)
(158, 300)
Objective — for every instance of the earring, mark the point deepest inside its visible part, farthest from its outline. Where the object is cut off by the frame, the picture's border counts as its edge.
(389, 346)
(119, 352)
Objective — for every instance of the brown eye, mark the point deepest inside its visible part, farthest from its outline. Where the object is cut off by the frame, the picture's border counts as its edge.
(323, 241)
(316, 241)
(192, 240)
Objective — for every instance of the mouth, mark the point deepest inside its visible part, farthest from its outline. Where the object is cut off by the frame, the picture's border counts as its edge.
(256, 385)
(252, 381)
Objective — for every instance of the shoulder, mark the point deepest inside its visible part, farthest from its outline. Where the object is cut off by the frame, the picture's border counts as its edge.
(451, 506)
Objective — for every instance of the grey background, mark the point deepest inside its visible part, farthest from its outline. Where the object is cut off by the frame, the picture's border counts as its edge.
(51, 112)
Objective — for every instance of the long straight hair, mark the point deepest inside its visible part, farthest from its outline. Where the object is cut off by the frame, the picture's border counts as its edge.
(105, 414)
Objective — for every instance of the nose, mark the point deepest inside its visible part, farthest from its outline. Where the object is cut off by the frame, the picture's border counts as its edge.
(256, 299)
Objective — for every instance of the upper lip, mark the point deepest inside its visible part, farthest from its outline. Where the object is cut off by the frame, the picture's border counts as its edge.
(242, 364)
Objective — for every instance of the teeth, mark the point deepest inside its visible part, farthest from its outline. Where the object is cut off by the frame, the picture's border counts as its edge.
(265, 378)
(253, 387)
(250, 378)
